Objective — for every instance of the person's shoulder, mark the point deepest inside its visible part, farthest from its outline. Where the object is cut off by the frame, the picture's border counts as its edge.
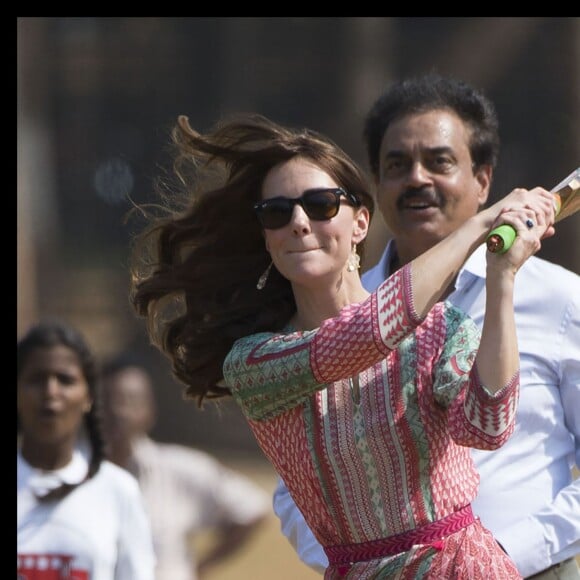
(549, 277)
(117, 478)
(540, 266)
(196, 467)
(180, 451)
(252, 339)
(114, 473)
(181, 458)
(244, 347)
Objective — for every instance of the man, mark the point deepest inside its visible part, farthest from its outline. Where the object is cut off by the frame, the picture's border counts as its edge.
(432, 144)
(186, 491)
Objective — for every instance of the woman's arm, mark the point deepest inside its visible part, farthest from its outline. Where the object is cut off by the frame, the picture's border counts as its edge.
(482, 415)
(269, 373)
(498, 354)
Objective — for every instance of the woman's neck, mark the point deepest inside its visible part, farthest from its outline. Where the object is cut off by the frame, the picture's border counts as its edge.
(47, 457)
(315, 306)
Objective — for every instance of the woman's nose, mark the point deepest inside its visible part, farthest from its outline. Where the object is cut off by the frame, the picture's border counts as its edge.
(300, 221)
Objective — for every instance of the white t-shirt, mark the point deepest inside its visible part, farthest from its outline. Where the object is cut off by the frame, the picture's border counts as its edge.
(99, 531)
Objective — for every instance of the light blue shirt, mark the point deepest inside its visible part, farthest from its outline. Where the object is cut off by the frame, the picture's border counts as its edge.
(527, 497)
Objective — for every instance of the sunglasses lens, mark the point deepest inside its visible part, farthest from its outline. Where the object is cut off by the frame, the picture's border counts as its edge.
(275, 213)
(321, 205)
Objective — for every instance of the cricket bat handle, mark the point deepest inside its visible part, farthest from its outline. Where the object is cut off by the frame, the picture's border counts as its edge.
(566, 202)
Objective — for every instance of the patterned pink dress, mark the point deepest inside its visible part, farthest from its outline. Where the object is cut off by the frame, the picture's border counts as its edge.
(399, 458)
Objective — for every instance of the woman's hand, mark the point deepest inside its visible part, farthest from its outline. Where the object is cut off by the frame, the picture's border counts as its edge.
(531, 227)
(538, 204)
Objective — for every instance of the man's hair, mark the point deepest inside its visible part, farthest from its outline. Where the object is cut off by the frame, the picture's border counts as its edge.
(122, 361)
(433, 92)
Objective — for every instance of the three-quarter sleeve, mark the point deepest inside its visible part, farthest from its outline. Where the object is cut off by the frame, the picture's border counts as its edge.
(477, 417)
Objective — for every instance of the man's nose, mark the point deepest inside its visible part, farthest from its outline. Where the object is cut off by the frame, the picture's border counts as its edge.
(418, 175)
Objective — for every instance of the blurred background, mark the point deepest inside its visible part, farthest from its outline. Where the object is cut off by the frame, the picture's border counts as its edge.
(96, 100)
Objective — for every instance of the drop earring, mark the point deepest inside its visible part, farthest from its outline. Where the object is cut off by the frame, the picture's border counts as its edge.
(264, 277)
(353, 262)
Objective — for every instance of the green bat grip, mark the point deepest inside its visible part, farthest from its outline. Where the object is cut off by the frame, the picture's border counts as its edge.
(500, 239)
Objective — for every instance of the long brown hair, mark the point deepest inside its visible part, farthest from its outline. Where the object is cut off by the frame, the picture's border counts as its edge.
(194, 270)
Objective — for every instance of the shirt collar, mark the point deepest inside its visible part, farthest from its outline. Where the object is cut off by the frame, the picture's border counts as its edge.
(41, 482)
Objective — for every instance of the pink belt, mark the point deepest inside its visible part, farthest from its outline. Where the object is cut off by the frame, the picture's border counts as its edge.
(428, 534)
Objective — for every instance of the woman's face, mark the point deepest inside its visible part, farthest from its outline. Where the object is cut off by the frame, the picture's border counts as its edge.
(305, 250)
(52, 396)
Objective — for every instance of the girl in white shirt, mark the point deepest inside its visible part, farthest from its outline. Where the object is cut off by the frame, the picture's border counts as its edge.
(79, 516)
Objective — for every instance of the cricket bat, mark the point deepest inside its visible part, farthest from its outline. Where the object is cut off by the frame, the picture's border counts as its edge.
(566, 202)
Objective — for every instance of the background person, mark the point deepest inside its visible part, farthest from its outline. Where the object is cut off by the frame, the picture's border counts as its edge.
(78, 515)
(186, 491)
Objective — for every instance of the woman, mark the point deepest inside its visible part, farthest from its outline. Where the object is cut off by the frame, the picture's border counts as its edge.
(365, 404)
(79, 516)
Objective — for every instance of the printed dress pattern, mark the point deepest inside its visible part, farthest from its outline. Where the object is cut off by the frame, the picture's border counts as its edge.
(399, 458)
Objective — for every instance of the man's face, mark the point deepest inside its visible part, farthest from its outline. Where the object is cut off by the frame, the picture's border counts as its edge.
(426, 185)
(128, 407)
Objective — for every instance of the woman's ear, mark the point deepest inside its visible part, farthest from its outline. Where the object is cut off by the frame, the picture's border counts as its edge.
(361, 225)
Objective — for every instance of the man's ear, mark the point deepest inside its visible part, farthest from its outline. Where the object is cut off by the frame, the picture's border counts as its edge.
(483, 176)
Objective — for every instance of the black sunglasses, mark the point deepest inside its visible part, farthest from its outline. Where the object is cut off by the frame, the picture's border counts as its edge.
(318, 204)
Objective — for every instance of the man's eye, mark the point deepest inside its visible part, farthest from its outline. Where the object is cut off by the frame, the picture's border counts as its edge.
(442, 163)
(393, 167)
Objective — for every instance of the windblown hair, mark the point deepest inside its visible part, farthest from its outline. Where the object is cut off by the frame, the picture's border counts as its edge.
(49, 334)
(194, 271)
(433, 92)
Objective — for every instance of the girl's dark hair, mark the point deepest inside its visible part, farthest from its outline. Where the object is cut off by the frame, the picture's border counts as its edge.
(194, 270)
(53, 333)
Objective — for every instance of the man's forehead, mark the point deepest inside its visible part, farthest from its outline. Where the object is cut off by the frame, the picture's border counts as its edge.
(431, 132)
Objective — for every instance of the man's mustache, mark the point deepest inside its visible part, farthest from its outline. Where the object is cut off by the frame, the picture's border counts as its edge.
(425, 195)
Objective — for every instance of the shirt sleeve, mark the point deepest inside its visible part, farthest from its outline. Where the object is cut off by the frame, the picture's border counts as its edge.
(270, 373)
(477, 417)
(237, 499)
(296, 530)
(552, 534)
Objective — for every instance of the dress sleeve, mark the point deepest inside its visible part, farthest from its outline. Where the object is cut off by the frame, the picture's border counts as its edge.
(477, 417)
(271, 373)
